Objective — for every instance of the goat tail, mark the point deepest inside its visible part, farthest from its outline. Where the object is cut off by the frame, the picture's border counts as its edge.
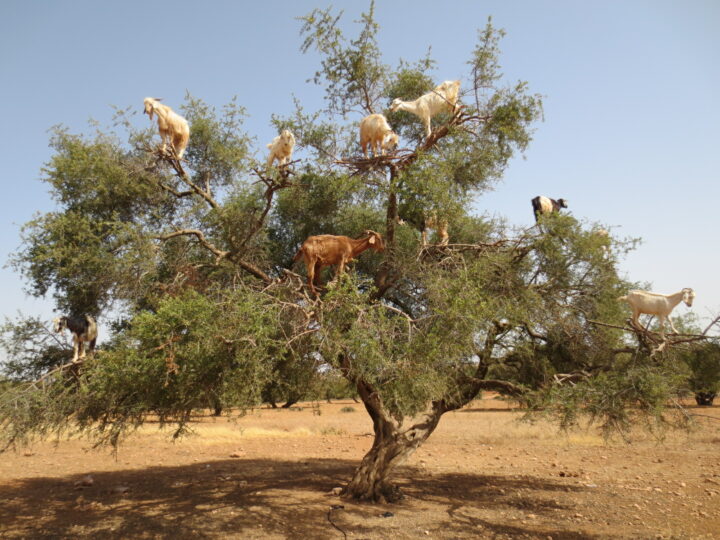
(297, 256)
(181, 143)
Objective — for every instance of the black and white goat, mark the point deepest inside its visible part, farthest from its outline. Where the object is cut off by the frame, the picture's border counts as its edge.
(83, 329)
(545, 205)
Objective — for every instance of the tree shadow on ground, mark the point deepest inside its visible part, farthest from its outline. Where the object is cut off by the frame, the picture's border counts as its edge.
(257, 498)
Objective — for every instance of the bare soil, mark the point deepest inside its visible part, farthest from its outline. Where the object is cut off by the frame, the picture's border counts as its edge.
(271, 474)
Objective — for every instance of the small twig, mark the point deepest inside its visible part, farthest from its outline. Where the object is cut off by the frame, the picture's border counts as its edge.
(705, 416)
(311, 331)
(336, 507)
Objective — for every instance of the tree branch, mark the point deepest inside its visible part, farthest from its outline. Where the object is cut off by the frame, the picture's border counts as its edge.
(170, 157)
(219, 254)
(504, 387)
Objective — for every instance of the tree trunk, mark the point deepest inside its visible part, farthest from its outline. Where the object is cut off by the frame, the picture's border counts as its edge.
(383, 278)
(217, 408)
(393, 444)
(289, 403)
(391, 447)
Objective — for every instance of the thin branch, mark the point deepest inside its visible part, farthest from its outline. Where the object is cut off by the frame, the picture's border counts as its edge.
(504, 387)
(310, 331)
(219, 254)
(273, 185)
(178, 194)
(176, 164)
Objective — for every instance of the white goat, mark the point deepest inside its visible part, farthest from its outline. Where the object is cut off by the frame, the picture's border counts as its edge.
(376, 132)
(173, 127)
(281, 148)
(656, 304)
(443, 97)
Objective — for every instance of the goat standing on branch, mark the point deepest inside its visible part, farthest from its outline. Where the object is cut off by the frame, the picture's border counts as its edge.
(326, 250)
(83, 329)
(173, 127)
(440, 225)
(281, 148)
(543, 206)
(376, 132)
(424, 223)
(443, 98)
(661, 305)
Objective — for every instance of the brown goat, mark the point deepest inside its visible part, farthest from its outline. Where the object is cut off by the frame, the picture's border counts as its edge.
(326, 250)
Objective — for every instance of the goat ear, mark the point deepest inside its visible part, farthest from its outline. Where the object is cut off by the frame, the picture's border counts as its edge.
(372, 239)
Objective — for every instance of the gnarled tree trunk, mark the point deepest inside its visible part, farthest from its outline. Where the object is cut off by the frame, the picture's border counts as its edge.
(393, 444)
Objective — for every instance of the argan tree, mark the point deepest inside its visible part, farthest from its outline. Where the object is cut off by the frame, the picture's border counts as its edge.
(194, 260)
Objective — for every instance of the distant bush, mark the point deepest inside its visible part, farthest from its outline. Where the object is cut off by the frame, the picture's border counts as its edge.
(332, 431)
(704, 364)
(347, 409)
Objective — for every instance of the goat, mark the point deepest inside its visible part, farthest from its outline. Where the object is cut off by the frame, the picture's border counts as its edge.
(604, 236)
(544, 205)
(440, 225)
(281, 148)
(432, 222)
(422, 222)
(376, 132)
(327, 250)
(173, 127)
(442, 98)
(656, 304)
(83, 329)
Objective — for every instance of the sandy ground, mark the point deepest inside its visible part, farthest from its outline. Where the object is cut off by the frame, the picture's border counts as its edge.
(270, 474)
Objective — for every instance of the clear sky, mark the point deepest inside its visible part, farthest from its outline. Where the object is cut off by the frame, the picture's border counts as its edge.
(631, 134)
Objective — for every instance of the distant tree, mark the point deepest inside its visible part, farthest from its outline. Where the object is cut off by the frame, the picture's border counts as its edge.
(704, 363)
(195, 258)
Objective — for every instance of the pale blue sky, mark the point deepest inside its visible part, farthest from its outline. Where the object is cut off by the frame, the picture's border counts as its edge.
(630, 135)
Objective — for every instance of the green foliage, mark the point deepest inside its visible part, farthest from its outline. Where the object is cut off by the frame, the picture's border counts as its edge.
(193, 256)
(31, 349)
(218, 150)
(704, 363)
(351, 72)
(193, 349)
(633, 393)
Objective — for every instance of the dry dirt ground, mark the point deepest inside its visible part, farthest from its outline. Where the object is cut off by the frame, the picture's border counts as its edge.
(270, 474)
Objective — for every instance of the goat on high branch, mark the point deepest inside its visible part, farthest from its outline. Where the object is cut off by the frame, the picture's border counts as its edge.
(543, 206)
(424, 223)
(281, 148)
(174, 129)
(376, 133)
(661, 305)
(84, 331)
(443, 98)
(327, 250)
